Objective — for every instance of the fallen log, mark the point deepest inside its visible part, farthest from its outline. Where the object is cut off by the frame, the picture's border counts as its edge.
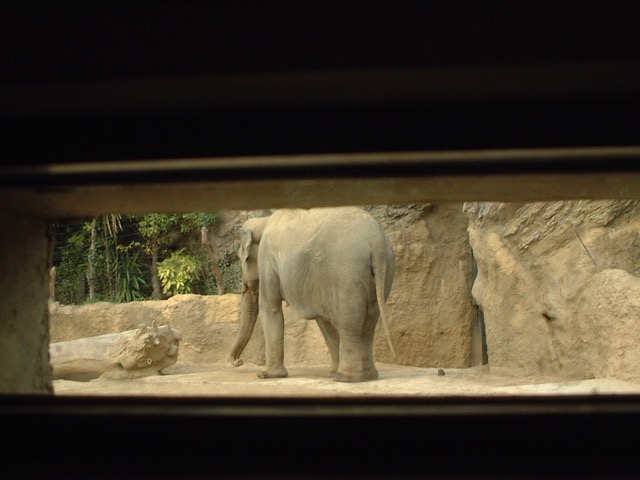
(131, 354)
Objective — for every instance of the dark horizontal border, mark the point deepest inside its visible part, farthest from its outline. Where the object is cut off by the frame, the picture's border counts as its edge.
(291, 406)
(65, 40)
(361, 438)
(255, 132)
(582, 160)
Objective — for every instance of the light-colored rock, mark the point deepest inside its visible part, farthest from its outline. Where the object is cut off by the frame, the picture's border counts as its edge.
(430, 305)
(208, 326)
(132, 354)
(609, 314)
(558, 283)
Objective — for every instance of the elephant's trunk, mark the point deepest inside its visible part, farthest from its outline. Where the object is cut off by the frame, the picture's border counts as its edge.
(248, 315)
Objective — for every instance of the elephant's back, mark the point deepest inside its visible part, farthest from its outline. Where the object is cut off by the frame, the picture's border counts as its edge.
(321, 252)
(298, 226)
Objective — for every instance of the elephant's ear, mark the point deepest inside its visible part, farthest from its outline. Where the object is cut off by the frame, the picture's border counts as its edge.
(246, 240)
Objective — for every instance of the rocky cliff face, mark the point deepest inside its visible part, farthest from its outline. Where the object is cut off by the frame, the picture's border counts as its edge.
(558, 284)
(430, 307)
(208, 326)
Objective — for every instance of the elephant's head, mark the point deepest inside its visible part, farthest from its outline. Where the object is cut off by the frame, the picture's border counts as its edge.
(250, 236)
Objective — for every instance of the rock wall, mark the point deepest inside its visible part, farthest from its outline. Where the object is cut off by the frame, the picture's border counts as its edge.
(24, 284)
(558, 284)
(430, 305)
(208, 325)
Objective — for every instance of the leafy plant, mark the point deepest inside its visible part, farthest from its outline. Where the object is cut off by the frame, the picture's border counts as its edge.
(116, 257)
(129, 278)
(231, 271)
(71, 263)
(205, 283)
(177, 272)
(160, 231)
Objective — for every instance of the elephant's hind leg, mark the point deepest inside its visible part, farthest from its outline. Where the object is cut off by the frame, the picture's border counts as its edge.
(332, 340)
(350, 369)
(368, 331)
(356, 351)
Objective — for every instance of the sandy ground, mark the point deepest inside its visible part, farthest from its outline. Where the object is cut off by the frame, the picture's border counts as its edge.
(184, 379)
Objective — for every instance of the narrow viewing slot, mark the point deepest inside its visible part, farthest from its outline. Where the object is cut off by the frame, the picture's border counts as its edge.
(486, 299)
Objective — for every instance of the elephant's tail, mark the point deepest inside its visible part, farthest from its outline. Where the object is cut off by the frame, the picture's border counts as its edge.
(379, 264)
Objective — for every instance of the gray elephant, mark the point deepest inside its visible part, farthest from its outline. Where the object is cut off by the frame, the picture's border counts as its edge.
(333, 265)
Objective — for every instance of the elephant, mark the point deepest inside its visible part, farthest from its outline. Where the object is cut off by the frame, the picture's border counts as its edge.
(332, 265)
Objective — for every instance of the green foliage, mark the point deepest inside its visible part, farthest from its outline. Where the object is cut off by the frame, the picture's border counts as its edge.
(177, 272)
(164, 228)
(111, 225)
(231, 271)
(129, 278)
(205, 281)
(155, 225)
(71, 264)
(192, 221)
(120, 263)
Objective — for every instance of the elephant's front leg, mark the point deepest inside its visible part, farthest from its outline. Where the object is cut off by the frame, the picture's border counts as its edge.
(273, 328)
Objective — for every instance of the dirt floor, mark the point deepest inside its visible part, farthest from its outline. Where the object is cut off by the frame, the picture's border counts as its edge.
(216, 380)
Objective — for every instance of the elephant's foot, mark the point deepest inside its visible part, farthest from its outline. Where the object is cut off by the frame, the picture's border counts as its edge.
(276, 373)
(371, 374)
(352, 377)
(236, 362)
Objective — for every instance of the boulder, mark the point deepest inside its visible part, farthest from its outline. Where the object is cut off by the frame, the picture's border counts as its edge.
(131, 354)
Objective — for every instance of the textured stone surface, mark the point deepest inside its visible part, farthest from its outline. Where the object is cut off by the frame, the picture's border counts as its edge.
(130, 354)
(208, 326)
(558, 283)
(24, 282)
(430, 306)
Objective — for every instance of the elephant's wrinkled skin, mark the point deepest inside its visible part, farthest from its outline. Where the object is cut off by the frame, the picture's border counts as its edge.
(333, 265)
